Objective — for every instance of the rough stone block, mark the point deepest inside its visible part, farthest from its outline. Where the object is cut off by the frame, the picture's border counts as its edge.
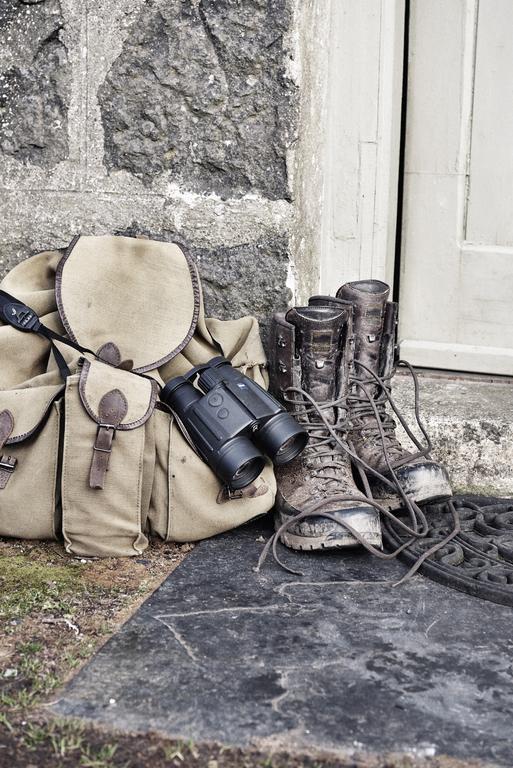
(200, 90)
(35, 81)
(245, 280)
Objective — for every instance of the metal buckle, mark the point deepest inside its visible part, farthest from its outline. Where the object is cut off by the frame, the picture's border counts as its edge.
(104, 426)
(8, 463)
(234, 494)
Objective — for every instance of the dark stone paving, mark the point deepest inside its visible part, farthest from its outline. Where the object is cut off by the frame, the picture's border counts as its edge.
(222, 653)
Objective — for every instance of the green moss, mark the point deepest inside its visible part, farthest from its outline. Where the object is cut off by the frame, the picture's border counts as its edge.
(26, 586)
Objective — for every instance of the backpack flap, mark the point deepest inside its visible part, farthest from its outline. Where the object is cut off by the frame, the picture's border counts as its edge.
(136, 300)
(108, 460)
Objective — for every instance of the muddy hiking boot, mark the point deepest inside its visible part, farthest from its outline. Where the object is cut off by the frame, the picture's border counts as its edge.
(372, 428)
(310, 363)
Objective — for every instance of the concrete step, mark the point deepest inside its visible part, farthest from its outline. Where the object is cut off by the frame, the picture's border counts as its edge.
(470, 421)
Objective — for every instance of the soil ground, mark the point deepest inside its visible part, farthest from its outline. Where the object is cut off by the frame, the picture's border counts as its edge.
(55, 612)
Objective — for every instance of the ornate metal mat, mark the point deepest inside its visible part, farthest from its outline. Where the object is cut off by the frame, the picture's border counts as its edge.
(479, 560)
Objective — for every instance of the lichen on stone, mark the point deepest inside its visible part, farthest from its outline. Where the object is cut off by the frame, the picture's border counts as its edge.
(200, 90)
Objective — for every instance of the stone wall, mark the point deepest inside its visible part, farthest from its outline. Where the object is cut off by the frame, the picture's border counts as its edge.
(176, 118)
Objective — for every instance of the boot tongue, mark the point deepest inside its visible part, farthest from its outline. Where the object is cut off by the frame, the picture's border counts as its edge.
(369, 300)
(318, 337)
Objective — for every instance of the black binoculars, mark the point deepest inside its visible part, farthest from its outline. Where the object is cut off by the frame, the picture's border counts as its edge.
(232, 421)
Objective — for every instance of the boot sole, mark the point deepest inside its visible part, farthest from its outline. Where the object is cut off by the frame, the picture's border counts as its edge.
(310, 544)
(328, 541)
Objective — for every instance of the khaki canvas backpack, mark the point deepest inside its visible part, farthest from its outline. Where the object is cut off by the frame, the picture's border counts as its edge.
(95, 458)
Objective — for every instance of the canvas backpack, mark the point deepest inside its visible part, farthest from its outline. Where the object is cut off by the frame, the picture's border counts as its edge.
(87, 451)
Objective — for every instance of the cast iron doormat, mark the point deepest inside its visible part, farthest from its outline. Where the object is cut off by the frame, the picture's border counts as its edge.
(479, 560)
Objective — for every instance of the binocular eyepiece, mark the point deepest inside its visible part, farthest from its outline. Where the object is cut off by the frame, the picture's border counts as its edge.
(232, 421)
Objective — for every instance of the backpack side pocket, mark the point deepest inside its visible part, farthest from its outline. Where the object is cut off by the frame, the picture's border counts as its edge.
(29, 462)
(108, 463)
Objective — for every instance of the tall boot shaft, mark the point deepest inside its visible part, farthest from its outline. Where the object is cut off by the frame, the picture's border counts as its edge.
(373, 429)
(309, 350)
(369, 299)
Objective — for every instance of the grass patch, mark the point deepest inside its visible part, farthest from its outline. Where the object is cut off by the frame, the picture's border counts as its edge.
(55, 610)
(66, 739)
(27, 586)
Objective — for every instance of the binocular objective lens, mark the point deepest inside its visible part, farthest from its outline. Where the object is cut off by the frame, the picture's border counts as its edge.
(246, 473)
(239, 462)
(282, 438)
(287, 445)
(242, 470)
(290, 449)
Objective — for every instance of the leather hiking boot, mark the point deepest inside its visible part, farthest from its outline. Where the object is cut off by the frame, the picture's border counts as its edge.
(372, 431)
(309, 370)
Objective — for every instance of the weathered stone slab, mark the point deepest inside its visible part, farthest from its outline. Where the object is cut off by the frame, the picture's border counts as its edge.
(337, 659)
(35, 82)
(200, 90)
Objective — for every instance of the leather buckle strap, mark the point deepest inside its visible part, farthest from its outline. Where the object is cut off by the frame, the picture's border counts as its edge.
(7, 467)
(7, 463)
(249, 492)
(112, 410)
(102, 450)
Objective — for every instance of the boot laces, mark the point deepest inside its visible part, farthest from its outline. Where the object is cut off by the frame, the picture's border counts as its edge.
(417, 527)
(369, 415)
(363, 418)
(323, 454)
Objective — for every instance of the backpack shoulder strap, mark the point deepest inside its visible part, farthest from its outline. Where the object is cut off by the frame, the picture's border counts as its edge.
(24, 319)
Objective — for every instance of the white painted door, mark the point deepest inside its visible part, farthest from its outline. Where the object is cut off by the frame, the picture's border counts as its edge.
(360, 141)
(456, 285)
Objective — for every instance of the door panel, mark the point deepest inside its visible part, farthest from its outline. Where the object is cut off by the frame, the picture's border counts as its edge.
(360, 140)
(490, 218)
(456, 290)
